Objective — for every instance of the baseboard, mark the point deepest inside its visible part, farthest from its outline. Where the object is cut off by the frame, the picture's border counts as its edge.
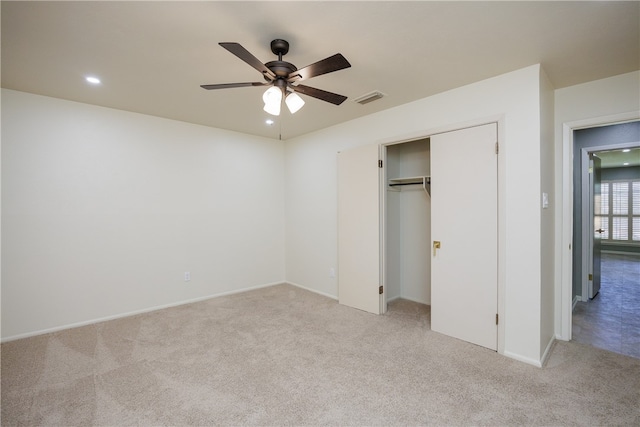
(315, 291)
(393, 299)
(538, 363)
(415, 300)
(606, 251)
(547, 351)
(520, 358)
(575, 301)
(135, 312)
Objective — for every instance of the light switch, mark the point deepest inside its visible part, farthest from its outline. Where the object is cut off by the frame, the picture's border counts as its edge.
(545, 200)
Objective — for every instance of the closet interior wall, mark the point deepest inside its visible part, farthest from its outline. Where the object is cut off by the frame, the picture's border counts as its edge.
(407, 216)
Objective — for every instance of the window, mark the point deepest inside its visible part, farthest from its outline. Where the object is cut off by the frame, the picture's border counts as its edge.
(617, 212)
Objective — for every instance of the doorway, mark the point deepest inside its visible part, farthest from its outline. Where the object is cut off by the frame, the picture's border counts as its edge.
(406, 204)
(605, 223)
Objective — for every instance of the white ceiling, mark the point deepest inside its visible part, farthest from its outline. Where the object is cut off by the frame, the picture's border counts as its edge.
(152, 56)
(618, 158)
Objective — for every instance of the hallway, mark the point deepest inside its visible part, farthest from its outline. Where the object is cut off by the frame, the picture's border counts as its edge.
(611, 320)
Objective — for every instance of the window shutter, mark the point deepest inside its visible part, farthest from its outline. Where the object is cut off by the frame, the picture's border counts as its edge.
(619, 211)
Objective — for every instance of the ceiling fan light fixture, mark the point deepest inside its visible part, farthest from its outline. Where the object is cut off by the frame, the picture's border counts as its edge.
(272, 100)
(273, 109)
(294, 102)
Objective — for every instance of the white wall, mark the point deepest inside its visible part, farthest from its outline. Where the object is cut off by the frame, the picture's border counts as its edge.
(588, 102)
(600, 98)
(104, 210)
(311, 242)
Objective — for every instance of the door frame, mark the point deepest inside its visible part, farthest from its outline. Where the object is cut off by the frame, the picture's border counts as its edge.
(429, 132)
(564, 293)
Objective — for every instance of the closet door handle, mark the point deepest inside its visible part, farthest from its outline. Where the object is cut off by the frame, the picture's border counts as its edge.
(436, 245)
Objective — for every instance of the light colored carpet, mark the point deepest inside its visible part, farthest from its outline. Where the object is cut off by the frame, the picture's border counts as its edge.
(285, 356)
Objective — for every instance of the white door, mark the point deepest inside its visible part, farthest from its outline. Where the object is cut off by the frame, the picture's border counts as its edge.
(359, 229)
(464, 219)
(595, 223)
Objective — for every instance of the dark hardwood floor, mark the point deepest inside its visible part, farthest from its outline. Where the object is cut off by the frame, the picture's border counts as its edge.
(612, 319)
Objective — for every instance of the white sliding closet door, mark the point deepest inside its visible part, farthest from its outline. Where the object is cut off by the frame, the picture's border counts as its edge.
(359, 228)
(464, 219)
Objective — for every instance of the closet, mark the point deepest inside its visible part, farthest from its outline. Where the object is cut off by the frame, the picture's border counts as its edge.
(418, 220)
(407, 221)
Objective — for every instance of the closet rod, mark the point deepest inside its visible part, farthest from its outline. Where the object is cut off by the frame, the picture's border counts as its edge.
(426, 180)
(405, 183)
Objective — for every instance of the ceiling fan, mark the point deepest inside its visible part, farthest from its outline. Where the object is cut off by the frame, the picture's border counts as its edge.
(283, 77)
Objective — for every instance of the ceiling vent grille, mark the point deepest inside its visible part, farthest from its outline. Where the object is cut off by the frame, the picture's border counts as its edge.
(369, 97)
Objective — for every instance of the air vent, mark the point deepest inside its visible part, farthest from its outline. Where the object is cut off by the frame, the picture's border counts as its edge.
(369, 97)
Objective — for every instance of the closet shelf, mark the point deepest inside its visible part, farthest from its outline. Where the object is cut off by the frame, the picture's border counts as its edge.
(409, 181)
(424, 181)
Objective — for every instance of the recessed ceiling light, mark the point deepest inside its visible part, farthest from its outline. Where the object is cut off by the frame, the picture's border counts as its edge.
(269, 122)
(625, 164)
(626, 150)
(93, 80)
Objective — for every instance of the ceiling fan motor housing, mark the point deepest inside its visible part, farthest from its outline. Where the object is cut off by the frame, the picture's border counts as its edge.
(281, 69)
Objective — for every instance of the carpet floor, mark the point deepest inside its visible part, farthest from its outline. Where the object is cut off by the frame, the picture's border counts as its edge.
(285, 356)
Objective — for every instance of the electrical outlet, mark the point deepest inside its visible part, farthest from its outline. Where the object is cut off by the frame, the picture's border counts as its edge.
(187, 276)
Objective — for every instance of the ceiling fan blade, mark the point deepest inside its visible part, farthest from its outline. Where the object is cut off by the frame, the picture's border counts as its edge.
(231, 85)
(247, 57)
(327, 65)
(323, 95)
